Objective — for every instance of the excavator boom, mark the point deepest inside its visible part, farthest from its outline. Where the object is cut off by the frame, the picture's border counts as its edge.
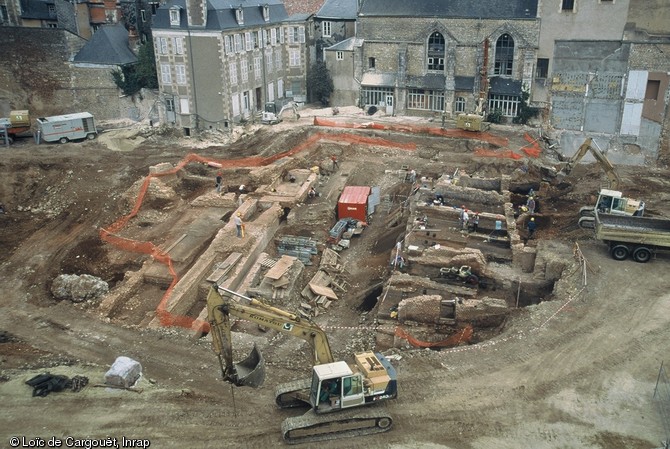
(219, 309)
(590, 145)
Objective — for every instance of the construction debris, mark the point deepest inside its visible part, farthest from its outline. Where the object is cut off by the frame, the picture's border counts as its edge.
(123, 373)
(45, 383)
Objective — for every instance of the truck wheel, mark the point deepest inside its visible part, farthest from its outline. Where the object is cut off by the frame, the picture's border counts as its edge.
(63, 140)
(619, 252)
(642, 255)
(90, 136)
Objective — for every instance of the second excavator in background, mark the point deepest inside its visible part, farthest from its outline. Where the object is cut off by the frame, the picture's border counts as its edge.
(335, 386)
(273, 112)
(610, 200)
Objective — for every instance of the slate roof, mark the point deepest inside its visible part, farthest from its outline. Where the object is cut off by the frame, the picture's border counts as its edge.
(464, 83)
(109, 45)
(429, 81)
(378, 79)
(504, 86)
(221, 14)
(485, 9)
(346, 45)
(338, 9)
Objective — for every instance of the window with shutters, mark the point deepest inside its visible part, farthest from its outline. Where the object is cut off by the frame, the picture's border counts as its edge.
(257, 67)
(180, 72)
(232, 68)
(166, 77)
(294, 58)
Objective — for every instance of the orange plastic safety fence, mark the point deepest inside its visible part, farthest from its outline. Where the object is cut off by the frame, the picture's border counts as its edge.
(414, 129)
(108, 234)
(532, 150)
(464, 336)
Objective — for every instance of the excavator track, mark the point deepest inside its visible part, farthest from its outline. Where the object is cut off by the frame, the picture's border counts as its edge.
(288, 395)
(311, 427)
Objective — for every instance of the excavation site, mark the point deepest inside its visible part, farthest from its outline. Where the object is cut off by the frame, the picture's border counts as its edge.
(460, 273)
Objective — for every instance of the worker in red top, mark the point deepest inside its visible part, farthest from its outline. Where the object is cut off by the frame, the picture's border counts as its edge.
(335, 164)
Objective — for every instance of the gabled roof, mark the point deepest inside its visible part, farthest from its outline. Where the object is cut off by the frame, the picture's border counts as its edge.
(338, 9)
(221, 14)
(485, 9)
(109, 45)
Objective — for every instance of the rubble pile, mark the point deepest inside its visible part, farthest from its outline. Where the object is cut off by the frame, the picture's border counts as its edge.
(78, 288)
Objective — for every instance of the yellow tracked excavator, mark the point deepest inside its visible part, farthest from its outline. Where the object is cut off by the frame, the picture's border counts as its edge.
(335, 386)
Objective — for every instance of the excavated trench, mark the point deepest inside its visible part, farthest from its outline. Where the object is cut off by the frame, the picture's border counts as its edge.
(426, 219)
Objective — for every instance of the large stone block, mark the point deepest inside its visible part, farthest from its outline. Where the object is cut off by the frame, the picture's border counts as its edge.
(423, 309)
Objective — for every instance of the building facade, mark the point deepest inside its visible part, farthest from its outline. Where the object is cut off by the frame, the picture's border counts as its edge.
(605, 79)
(218, 65)
(447, 57)
(333, 23)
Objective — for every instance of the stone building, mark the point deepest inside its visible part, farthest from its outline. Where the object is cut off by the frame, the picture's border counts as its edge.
(333, 23)
(341, 63)
(432, 56)
(219, 64)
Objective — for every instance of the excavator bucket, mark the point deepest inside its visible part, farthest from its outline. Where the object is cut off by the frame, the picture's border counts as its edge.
(251, 371)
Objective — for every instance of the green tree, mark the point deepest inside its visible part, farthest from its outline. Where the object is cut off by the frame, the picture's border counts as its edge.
(131, 78)
(320, 83)
(525, 112)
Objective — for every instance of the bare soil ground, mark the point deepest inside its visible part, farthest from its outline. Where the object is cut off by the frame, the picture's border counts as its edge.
(576, 371)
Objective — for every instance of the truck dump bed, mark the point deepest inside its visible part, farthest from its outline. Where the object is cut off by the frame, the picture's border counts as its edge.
(640, 230)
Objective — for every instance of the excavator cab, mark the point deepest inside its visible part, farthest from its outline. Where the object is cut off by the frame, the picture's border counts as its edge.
(335, 386)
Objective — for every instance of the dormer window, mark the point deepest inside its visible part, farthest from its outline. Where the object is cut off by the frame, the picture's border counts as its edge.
(239, 15)
(174, 16)
(266, 12)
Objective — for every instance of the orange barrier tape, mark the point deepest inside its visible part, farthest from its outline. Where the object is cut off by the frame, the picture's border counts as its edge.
(463, 336)
(109, 234)
(168, 319)
(414, 129)
(532, 150)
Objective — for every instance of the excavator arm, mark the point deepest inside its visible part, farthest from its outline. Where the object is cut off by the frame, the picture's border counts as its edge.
(588, 145)
(248, 372)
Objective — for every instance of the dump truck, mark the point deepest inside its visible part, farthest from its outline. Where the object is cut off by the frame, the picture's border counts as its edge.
(63, 128)
(639, 237)
(340, 397)
(16, 124)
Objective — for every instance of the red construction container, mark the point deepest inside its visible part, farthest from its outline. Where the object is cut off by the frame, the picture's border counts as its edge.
(353, 203)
